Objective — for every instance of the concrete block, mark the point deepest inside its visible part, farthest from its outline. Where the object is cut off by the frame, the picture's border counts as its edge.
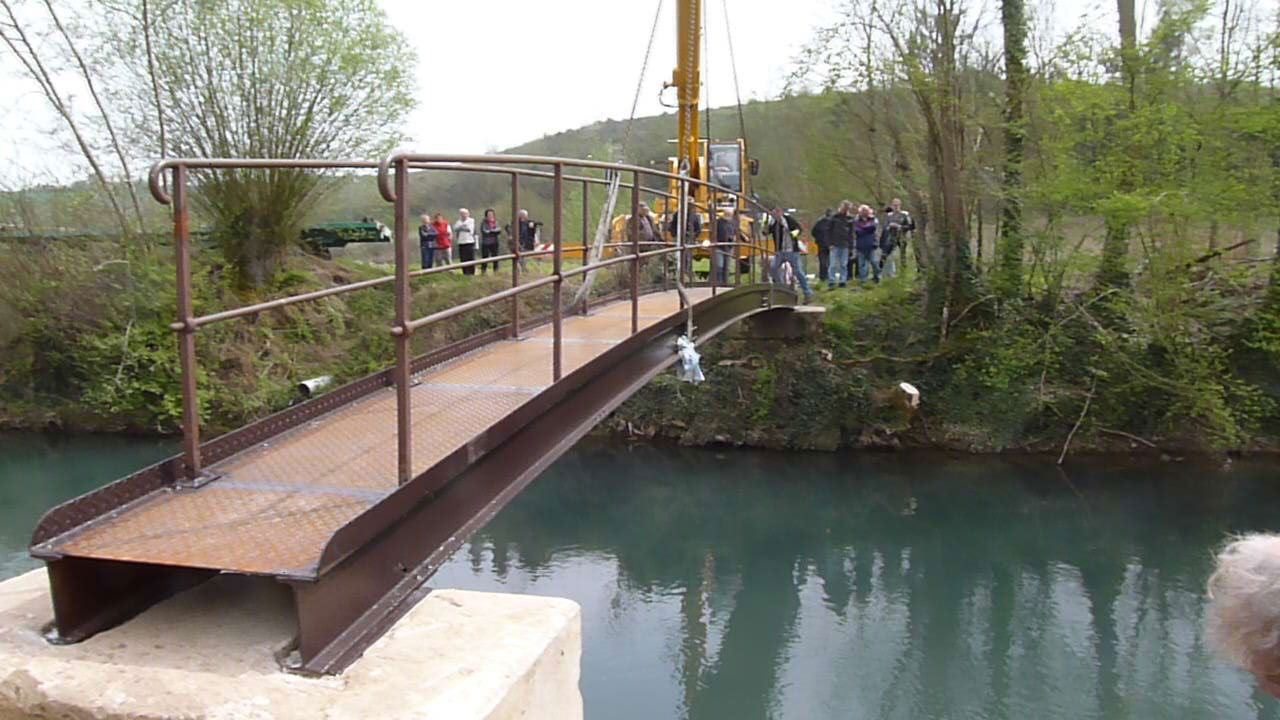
(210, 653)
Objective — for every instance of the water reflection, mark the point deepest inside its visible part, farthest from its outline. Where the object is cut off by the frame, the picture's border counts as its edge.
(39, 471)
(753, 585)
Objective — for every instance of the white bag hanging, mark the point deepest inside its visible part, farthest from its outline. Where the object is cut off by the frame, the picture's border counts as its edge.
(690, 369)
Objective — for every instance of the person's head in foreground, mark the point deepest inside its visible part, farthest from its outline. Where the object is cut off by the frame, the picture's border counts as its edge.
(1244, 607)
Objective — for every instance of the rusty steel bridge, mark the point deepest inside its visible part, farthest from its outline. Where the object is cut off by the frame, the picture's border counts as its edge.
(355, 497)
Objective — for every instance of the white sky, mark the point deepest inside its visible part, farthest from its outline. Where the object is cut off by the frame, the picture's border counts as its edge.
(572, 62)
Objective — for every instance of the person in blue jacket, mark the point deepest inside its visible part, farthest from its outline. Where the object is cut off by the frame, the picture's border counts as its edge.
(866, 243)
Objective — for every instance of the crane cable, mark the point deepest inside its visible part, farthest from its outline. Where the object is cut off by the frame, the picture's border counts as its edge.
(706, 68)
(644, 68)
(733, 63)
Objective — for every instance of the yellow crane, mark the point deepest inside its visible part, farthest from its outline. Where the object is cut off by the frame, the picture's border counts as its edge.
(722, 163)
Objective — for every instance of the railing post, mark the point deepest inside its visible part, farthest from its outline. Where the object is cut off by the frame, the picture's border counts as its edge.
(186, 317)
(635, 251)
(404, 339)
(557, 253)
(682, 219)
(755, 252)
(737, 247)
(586, 229)
(515, 250)
(716, 250)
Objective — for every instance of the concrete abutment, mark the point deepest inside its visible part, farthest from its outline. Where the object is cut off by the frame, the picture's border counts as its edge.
(211, 653)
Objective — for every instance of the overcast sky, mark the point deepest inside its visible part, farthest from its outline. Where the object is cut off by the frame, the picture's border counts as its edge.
(572, 62)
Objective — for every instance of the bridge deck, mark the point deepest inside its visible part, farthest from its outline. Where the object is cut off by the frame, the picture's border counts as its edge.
(275, 505)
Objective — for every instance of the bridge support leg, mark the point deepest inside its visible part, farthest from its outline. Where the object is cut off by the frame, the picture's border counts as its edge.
(90, 596)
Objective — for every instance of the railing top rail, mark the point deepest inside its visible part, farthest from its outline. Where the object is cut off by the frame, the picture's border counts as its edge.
(162, 197)
(461, 163)
(410, 158)
(525, 172)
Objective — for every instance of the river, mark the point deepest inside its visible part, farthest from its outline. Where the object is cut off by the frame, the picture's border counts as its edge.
(749, 585)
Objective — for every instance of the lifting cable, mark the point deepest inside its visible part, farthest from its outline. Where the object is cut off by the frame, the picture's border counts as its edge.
(644, 68)
(733, 63)
(706, 73)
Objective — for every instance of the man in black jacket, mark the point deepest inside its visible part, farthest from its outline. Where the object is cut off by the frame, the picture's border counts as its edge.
(526, 237)
(528, 232)
(692, 229)
(839, 237)
(728, 229)
(898, 223)
(784, 230)
(819, 233)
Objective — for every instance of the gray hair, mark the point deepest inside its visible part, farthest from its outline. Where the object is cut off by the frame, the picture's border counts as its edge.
(1244, 603)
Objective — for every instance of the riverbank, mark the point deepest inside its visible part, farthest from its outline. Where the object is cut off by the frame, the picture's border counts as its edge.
(84, 333)
(1014, 379)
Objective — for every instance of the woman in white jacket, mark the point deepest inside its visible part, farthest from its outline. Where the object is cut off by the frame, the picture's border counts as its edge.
(464, 236)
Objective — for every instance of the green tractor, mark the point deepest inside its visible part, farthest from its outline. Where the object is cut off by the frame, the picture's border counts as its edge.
(319, 239)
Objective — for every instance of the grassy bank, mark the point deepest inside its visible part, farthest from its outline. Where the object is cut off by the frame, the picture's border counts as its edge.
(86, 344)
(1174, 367)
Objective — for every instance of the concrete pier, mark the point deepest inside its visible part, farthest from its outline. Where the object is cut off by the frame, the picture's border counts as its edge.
(212, 653)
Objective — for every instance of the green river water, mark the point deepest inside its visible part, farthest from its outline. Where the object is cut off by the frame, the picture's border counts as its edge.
(751, 585)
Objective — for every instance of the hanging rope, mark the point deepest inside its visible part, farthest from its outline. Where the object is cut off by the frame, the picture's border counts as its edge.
(689, 369)
(644, 69)
(602, 233)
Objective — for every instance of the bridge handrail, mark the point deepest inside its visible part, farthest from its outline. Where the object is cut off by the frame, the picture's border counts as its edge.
(192, 323)
(403, 326)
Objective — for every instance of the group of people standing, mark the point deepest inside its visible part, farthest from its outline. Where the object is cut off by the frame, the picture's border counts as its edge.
(437, 238)
(846, 238)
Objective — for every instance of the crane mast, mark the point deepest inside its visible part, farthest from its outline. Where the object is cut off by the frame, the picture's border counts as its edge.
(686, 78)
(721, 167)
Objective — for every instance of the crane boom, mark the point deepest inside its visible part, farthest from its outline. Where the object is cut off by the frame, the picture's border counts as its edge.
(686, 78)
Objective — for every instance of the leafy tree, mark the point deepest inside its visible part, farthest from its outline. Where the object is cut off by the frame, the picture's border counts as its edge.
(1013, 15)
(40, 63)
(266, 78)
(925, 50)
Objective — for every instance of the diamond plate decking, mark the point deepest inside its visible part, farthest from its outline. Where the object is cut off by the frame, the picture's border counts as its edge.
(274, 506)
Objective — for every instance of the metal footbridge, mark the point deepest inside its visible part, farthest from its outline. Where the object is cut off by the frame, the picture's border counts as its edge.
(355, 497)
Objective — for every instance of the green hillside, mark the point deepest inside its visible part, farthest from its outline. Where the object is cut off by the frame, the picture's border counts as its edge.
(793, 138)
(790, 137)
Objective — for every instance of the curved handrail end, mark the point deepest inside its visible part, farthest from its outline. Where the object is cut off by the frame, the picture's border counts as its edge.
(153, 180)
(384, 171)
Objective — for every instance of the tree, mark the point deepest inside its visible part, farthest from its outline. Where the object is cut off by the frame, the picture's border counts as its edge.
(267, 78)
(1014, 19)
(1119, 212)
(930, 43)
(920, 49)
(30, 52)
